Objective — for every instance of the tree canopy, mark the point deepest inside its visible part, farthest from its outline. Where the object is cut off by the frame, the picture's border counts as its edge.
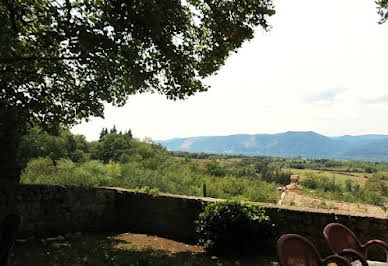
(61, 60)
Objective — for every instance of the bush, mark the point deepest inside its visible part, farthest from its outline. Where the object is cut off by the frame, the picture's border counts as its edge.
(277, 176)
(215, 169)
(38, 171)
(310, 181)
(235, 228)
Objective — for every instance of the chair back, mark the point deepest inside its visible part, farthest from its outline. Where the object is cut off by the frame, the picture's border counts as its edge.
(296, 250)
(339, 237)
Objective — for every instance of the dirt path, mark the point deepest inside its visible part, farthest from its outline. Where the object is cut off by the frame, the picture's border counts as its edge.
(158, 243)
(119, 250)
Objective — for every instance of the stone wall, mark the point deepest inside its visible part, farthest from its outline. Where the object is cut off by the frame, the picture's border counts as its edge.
(51, 210)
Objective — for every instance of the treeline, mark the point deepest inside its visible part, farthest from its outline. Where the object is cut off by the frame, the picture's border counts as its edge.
(303, 163)
(118, 159)
(343, 166)
(112, 145)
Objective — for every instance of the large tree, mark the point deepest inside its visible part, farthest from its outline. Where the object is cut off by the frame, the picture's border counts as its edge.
(60, 60)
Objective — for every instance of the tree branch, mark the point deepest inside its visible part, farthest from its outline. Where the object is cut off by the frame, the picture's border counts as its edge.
(9, 60)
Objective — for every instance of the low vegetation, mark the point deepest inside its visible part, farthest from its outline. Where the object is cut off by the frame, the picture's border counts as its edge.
(235, 228)
(118, 159)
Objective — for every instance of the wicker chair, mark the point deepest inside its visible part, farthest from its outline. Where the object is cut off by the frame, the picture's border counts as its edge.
(295, 250)
(8, 230)
(344, 242)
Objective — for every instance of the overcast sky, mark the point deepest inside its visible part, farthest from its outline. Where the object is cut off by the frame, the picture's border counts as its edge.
(323, 67)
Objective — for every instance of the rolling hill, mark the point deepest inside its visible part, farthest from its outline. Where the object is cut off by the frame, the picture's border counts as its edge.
(306, 144)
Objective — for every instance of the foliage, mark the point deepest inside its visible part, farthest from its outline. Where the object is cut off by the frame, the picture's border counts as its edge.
(322, 182)
(119, 160)
(148, 190)
(39, 170)
(349, 184)
(382, 6)
(234, 227)
(374, 184)
(112, 146)
(148, 167)
(373, 192)
(214, 168)
(37, 143)
(277, 176)
(60, 60)
(241, 188)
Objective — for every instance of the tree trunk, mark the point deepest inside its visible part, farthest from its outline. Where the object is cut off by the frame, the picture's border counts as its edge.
(9, 170)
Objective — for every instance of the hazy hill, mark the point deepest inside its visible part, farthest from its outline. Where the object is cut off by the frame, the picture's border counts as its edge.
(361, 138)
(373, 150)
(289, 144)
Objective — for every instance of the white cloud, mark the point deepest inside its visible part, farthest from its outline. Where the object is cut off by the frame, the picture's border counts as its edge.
(381, 99)
(327, 95)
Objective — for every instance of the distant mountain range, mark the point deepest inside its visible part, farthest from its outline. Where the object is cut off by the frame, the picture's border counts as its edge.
(306, 144)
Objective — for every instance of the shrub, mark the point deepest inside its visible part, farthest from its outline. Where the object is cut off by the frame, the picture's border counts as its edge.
(310, 181)
(215, 169)
(370, 169)
(84, 175)
(38, 171)
(235, 228)
(349, 185)
(149, 190)
(277, 176)
(260, 191)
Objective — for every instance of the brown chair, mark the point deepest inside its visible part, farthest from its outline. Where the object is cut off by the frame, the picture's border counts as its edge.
(8, 230)
(295, 250)
(344, 242)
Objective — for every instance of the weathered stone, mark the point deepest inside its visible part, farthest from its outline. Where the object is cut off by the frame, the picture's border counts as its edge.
(50, 210)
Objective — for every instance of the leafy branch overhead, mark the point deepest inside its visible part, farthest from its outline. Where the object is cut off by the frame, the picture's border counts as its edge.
(382, 9)
(61, 60)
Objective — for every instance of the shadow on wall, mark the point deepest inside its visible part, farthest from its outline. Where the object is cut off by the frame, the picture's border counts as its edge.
(50, 210)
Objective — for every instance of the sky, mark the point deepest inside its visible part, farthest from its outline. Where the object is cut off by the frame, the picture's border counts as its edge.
(322, 67)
